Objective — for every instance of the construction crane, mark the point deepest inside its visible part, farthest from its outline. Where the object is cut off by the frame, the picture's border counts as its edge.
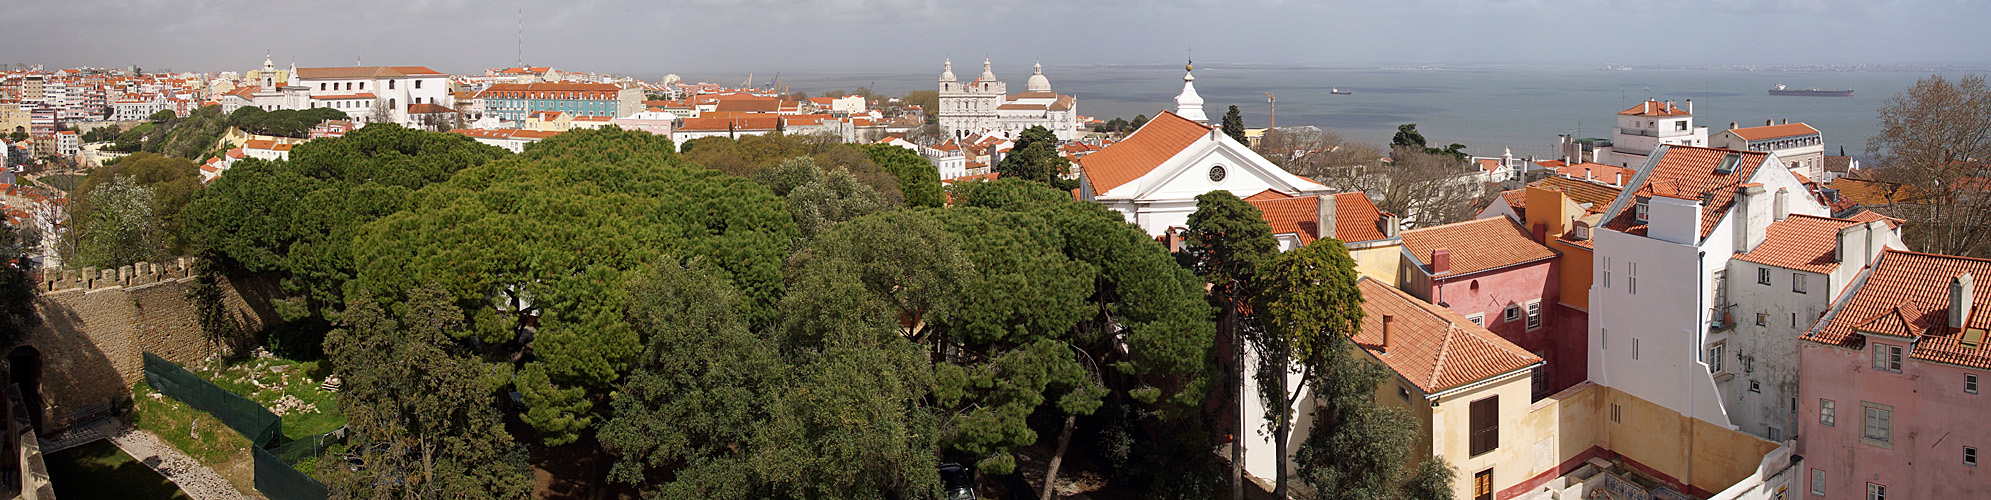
(1274, 104)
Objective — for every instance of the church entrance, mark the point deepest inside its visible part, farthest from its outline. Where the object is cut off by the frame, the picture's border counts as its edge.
(25, 371)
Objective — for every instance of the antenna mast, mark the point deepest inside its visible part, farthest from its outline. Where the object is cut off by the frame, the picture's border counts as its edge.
(521, 37)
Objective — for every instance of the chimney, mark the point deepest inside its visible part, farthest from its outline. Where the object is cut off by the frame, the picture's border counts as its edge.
(1783, 205)
(1441, 261)
(1877, 232)
(1621, 179)
(1690, 106)
(1587, 175)
(1769, 122)
(1748, 203)
(1786, 121)
(1960, 302)
(1731, 125)
(1391, 224)
(1387, 320)
(1850, 241)
(1324, 221)
(1648, 106)
(1541, 233)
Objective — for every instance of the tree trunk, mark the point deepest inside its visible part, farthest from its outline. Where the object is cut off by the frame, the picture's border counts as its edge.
(1280, 432)
(1237, 370)
(1058, 458)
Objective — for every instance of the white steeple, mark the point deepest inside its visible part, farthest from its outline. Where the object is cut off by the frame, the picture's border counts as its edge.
(1189, 105)
(947, 73)
(988, 75)
(269, 72)
(1037, 82)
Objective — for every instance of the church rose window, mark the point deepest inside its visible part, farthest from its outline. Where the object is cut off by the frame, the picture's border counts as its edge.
(1217, 173)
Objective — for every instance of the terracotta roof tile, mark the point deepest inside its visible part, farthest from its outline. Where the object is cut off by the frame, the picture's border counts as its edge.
(1655, 108)
(1689, 172)
(1475, 245)
(1157, 141)
(1800, 242)
(1774, 131)
(1909, 291)
(428, 108)
(1356, 218)
(1432, 347)
(1869, 216)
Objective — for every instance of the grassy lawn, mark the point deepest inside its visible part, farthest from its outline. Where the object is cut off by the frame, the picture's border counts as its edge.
(100, 470)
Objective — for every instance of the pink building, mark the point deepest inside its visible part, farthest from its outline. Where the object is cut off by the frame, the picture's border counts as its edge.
(1889, 384)
(1499, 276)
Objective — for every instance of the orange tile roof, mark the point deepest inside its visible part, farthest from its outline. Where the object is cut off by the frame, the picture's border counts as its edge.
(749, 105)
(1356, 218)
(1774, 131)
(1594, 171)
(1432, 347)
(1655, 108)
(1865, 215)
(1516, 199)
(428, 108)
(364, 72)
(259, 144)
(1801, 242)
(1689, 172)
(1157, 141)
(1476, 245)
(1907, 294)
(1872, 192)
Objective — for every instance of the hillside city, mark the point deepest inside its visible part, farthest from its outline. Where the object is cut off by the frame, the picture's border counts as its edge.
(296, 282)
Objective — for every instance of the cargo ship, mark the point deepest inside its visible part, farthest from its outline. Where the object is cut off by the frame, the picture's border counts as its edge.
(1781, 90)
(1338, 91)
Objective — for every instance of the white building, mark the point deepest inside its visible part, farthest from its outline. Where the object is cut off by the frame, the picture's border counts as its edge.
(1800, 146)
(360, 90)
(1788, 275)
(1643, 128)
(1153, 176)
(985, 106)
(1661, 254)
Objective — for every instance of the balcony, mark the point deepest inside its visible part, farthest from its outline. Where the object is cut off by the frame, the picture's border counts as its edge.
(1721, 318)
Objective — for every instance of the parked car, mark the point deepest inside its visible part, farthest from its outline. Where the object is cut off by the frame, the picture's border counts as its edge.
(957, 482)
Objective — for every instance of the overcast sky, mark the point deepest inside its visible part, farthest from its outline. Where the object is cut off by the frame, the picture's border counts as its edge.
(647, 38)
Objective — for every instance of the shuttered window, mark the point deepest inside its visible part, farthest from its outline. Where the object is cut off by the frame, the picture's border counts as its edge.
(1485, 425)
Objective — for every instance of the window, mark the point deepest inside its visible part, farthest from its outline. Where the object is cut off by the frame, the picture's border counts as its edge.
(1680, 125)
(1762, 319)
(1483, 485)
(1631, 278)
(1887, 357)
(1401, 392)
(1793, 320)
(418, 84)
(1617, 414)
(1879, 424)
(1485, 425)
(1715, 354)
(1477, 319)
(1640, 211)
(321, 85)
(1534, 314)
(1828, 413)
(1970, 383)
(1755, 386)
(1970, 456)
(1776, 435)
(1539, 378)
(1818, 482)
(1762, 275)
(1512, 314)
(1607, 272)
(1797, 282)
(390, 85)
(1876, 491)
(362, 85)
(1634, 348)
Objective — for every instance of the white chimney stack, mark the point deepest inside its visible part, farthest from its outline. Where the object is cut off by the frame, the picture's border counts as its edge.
(1960, 300)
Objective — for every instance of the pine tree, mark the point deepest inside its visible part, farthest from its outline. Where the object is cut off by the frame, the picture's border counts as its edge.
(1234, 125)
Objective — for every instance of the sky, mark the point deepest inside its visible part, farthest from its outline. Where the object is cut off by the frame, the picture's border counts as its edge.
(649, 38)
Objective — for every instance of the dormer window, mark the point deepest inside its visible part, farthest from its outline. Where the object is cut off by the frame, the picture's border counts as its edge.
(1728, 162)
(1640, 211)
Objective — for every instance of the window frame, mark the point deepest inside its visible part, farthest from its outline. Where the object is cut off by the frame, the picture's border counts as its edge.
(1828, 413)
(1970, 456)
(1970, 383)
(1762, 319)
(1887, 357)
(1511, 313)
(1818, 482)
(1797, 283)
(1533, 311)
(1877, 424)
(1477, 319)
(1717, 352)
(1762, 276)
(1876, 491)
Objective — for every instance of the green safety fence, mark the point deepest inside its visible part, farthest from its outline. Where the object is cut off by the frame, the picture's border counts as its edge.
(275, 477)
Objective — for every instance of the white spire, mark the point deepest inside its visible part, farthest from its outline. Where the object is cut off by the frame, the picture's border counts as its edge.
(1037, 82)
(988, 75)
(1189, 105)
(947, 74)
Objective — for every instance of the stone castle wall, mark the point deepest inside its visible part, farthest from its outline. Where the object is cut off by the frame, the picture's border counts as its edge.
(96, 322)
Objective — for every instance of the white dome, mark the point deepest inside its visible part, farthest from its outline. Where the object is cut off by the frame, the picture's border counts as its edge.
(1037, 82)
(988, 75)
(947, 73)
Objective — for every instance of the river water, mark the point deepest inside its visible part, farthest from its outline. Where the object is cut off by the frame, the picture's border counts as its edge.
(1485, 108)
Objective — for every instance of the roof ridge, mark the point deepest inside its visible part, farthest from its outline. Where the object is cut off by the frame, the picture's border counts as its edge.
(1444, 346)
(1885, 251)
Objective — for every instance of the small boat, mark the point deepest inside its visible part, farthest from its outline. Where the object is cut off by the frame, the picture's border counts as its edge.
(1781, 90)
(1338, 91)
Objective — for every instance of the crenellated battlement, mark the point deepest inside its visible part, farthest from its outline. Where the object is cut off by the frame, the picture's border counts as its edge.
(91, 278)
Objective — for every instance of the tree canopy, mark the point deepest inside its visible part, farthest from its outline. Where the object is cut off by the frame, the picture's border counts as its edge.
(169, 184)
(1234, 125)
(283, 122)
(1035, 158)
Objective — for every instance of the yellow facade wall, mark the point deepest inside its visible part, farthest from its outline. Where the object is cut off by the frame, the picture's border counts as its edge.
(1379, 259)
(1576, 274)
(1513, 460)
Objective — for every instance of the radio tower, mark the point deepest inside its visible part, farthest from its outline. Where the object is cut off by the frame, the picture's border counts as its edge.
(521, 37)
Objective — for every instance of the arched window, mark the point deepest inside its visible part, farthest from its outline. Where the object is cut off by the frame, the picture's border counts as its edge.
(391, 104)
(362, 85)
(390, 85)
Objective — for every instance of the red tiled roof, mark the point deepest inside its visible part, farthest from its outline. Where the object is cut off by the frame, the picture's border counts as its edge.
(1157, 141)
(1356, 218)
(1432, 347)
(1774, 131)
(259, 144)
(428, 108)
(1596, 195)
(1592, 171)
(1865, 215)
(1907, 294)
(749, 105)
(1655, 108)
(1475, 245)
(364, 72)
(1689, 172)
(1801, 242)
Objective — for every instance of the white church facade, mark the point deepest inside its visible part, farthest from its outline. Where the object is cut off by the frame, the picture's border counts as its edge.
(1153, 176)
(984, 105)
